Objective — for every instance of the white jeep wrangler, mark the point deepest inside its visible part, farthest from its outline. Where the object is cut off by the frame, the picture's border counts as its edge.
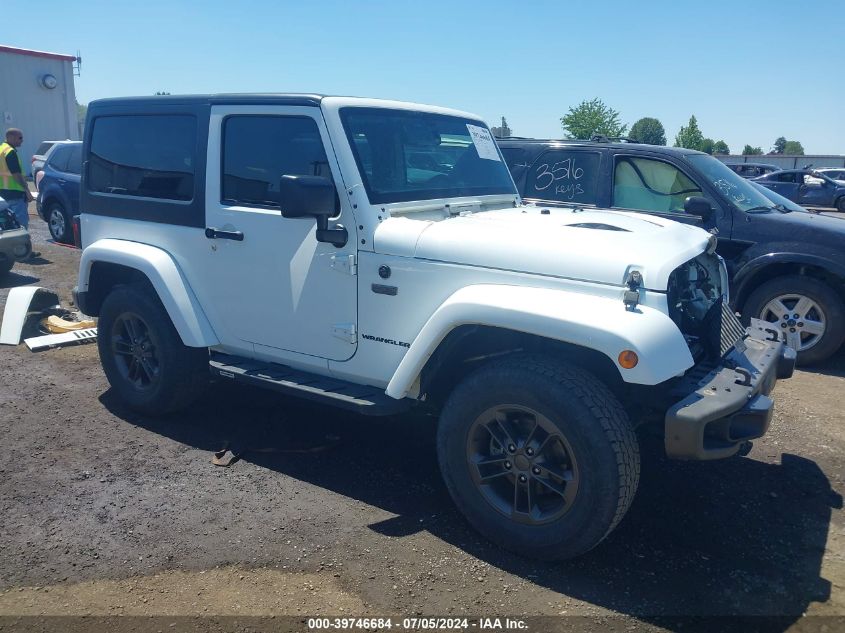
(374, 255)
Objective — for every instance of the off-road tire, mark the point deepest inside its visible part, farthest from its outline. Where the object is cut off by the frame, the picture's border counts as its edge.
(182, 371)
(65, 236)
(595, 426)
(819, 292)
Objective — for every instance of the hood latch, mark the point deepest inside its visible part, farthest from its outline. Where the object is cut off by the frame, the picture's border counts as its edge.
(631, 296)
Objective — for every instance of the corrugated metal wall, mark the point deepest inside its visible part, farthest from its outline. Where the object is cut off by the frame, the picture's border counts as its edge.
(786, 162)
(41, 113)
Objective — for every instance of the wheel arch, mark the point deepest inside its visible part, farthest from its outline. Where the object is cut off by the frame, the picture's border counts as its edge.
(49, 198)
(768, 267)
(593, 327)
(108, 263)
(467, 348)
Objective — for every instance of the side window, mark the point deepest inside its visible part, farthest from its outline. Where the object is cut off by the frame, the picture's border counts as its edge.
(259, 150)
(515, 159)
(787, 177)
(74, 161)
(58, 159)
(150, 156)
(565, 176)
(651, 185)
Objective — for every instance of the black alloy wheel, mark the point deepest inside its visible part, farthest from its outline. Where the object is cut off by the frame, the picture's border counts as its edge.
(522, 464)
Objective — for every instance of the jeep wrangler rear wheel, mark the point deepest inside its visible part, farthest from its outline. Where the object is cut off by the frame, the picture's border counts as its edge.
(142, 355)
(539, 456)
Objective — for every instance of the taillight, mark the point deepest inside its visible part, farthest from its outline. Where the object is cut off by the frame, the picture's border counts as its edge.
(76, 225)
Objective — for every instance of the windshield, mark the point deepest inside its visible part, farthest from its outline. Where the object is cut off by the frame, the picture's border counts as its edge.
(405, 155)
(736, 189)
(775, 197)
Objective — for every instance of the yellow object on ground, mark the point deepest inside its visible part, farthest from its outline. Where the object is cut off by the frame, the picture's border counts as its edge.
(58, 325)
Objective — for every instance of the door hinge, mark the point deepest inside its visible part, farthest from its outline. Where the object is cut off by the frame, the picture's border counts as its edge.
(345, 263)
(345, 332)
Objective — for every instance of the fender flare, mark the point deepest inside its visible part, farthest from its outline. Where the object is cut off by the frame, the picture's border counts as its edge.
(743, 276)
(598, 323)
(167, 280)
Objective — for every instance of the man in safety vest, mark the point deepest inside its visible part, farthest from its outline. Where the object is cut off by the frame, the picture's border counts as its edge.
(13, 187)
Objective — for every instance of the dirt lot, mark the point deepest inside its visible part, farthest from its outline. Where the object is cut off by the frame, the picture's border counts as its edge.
(105, 512)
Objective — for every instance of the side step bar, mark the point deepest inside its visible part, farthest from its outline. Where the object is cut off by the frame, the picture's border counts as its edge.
(331, 391)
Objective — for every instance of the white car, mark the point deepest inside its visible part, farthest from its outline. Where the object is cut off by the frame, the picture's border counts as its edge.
(39, 158)
(834, 173)
(376, 256)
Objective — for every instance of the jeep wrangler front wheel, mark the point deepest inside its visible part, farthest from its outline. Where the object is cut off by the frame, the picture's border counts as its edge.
(539, 456)
(143, 356)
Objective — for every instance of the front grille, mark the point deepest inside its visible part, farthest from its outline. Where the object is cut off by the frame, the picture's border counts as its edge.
(732, 330)
(721, 329)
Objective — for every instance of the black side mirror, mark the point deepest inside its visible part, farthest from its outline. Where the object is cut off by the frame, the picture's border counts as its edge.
(307, 196)
(312, 197)
(696, 205)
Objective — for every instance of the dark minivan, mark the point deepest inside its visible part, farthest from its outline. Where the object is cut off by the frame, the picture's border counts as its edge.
(786, 266)
(58, 190)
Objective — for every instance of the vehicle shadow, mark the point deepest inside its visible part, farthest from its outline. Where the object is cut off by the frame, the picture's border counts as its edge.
(737, 537)
(15, 279)
(833, 366)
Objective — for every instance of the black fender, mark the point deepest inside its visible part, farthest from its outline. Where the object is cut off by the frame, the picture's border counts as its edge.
(744, 275)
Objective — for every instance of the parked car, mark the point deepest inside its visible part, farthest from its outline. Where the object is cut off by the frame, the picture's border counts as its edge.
(786, 267)
(15, 244)
(833, 173)
(778, 199)
(58, 195)
(376, 256)
(752, 170)
(39, 157)
(807, 187)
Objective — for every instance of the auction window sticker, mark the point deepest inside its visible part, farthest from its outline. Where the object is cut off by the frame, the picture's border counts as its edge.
(484, 143)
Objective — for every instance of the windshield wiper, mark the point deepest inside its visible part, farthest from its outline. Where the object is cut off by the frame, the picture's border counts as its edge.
(760, 209)
(783, 208)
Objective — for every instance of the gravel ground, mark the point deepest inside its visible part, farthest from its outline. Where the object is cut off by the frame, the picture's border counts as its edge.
(106, 512)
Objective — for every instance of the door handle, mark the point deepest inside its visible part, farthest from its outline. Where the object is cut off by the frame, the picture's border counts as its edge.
(215, 234)
(62, 181)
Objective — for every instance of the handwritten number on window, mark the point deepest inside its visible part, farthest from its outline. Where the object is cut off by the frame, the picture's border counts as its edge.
(562, 170)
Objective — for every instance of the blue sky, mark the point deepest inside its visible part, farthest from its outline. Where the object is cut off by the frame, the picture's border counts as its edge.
(749, 71)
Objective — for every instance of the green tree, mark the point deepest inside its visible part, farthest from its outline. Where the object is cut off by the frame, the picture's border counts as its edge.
(720, 147)
(592, 117)
(648, 130)
(793, 148)
(81, 113)
(690, 135)
(751, 151)
(779, 146)
(707, 145)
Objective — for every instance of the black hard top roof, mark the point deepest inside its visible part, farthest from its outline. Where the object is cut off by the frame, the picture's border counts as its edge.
(218, 99)
(512, 141)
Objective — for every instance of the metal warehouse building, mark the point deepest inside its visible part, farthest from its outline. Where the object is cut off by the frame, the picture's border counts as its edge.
(784, 161)
(37, 96)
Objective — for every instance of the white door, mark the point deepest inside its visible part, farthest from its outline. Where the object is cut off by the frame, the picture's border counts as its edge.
(277, 288)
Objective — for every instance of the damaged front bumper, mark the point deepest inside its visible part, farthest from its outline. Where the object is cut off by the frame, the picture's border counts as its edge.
(725, 405)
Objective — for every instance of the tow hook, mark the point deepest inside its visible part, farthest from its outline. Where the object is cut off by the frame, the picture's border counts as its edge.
(745, 448)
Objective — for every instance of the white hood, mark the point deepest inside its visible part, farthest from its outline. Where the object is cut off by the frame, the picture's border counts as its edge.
(589, 245)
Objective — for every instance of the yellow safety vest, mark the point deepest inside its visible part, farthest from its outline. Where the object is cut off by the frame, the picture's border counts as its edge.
(7, 181)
